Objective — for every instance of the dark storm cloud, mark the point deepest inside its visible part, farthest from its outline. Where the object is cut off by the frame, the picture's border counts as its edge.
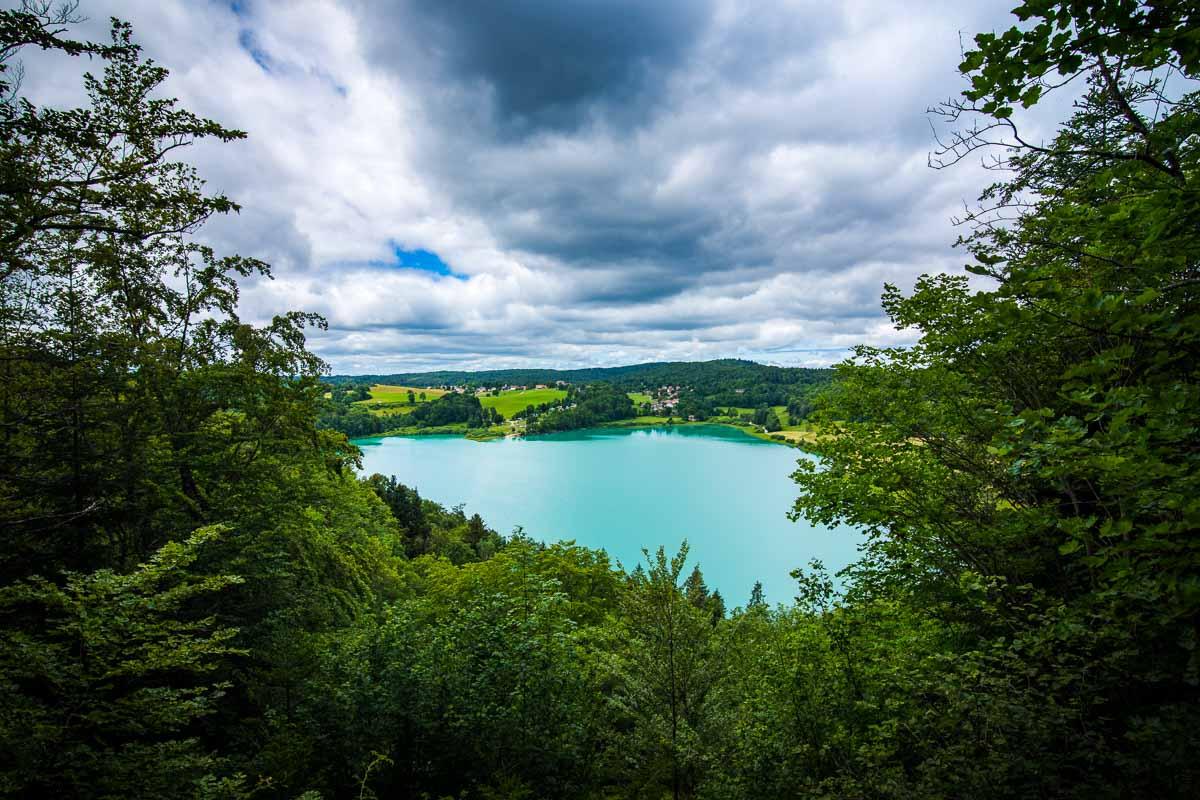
(547, 63)
(654, 137)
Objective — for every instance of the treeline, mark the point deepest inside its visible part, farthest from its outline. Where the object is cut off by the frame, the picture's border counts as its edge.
(704, 389)
(583, 407)
(451, 409)
(427, 528)
(718, 381)
(199, 599)
(340, 412)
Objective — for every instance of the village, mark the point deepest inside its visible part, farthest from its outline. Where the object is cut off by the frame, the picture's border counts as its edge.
(663, 400)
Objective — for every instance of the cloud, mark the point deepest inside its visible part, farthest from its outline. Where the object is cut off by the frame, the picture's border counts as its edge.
(571, 182)
(542, 63)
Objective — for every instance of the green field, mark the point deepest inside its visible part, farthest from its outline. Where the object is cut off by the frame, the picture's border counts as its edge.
(392, 393)
(638, 398)
(780, 411)
(509, 403)
(733, 411)
(386, 399)
(394, 399)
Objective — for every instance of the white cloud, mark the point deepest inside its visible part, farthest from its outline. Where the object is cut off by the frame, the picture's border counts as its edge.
(743, 186)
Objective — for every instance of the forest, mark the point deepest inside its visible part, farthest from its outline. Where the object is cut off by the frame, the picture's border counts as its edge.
(704, 389)
(584, 407)
(338, 411)
(200, 598)
(721, 382)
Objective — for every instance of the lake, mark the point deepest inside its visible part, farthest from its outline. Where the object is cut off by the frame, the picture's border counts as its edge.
(726, 492)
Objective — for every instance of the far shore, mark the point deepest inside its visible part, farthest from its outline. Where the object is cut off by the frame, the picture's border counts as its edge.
(807, 440)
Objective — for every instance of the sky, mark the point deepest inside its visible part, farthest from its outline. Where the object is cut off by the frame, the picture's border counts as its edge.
(461, 184)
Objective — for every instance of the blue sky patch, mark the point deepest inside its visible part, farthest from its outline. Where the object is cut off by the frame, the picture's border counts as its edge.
(425, 261)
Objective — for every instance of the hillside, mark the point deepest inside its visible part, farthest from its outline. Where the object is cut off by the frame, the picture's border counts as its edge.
(733, 382)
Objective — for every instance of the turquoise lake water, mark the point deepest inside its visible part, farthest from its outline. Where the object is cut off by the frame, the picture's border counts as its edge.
(726, 492)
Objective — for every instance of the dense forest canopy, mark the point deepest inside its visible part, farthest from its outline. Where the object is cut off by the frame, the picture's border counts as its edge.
(1028, 472)
(451, 408)
(200, 599)
(585, 406)
(722, 377)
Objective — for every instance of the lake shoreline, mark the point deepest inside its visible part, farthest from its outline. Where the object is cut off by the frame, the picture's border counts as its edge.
(806, 444)
(625, 488)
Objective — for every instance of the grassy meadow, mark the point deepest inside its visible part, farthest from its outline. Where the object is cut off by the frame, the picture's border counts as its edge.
(394, 399)
(393, 393)
(509, 403)
(387, 399)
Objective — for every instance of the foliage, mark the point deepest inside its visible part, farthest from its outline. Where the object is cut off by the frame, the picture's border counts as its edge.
(584, 407)
(136, 409)
(354, 420)
(1027, 471)
(476, 683)
(104, 677)
(427, 527)
(451, 408)
(663, 672)
(720, 382)
(767, 418)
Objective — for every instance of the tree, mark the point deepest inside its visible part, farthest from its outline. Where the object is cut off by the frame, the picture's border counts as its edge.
(476, 530)
(408, 509)
(482, 681)
(694, 588)
(1128, 51)
(716, 606)
(1022, 471)
(138, 410)
(756, 597)
(123, 354)
(666, 669)
(102, 697)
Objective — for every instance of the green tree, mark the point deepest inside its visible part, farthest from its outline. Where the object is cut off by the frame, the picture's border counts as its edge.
(101, 697)
(476, 530)
(695, 589)
(665, 665)
(125, 363)
(479, 683)
(756, 597)
(1025, 472)
(136, 409)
